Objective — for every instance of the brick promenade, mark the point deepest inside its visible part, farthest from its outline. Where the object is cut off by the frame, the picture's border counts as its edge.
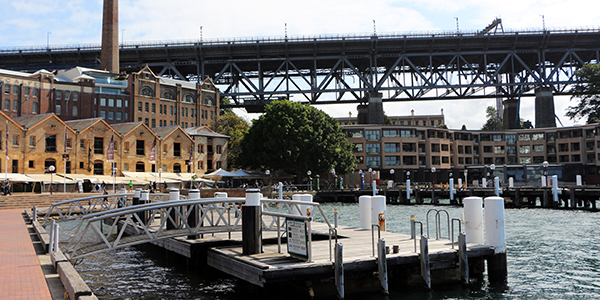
(21, 276)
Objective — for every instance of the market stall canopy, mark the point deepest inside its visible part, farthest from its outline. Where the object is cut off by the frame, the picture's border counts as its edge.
(15, 177)
(46, 178)
(146, 177)
(242, 173)
(184, 177)
(219, 172)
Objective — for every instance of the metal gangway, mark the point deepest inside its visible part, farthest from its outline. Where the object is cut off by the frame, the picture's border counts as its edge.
(119, 227)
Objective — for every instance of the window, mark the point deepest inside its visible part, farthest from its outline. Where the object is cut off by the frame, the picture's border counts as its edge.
(103, 114)
(7, 89)
(357, 147)
(445, 159)
(551, 149)
(147, 107)
(498, 149)
(538, 148)
(68, 143)
(82, 144)
(111, 115)
(219, 149)
(153, 108)
(373, 148)
(497, 137)
(75, 96)
(524, 137)
(111, 102)
(98, 145)
(487, 149)
(140, 106)
(31, 164)
(390, 133)
(126, 103)
(67, 94)
(537, 137)
(32, 141)
(6, 104)
(189, 98)
(511, 149)
(57, 110)
(392, 160)
(34, 107)
(372, 134)
(50, 142)
(176, 149)
(171, 107)
(26, 91)
(461, 149)
(373, 161)
(200, 148)
(102, 101)
(153, 123)
(392, 147)
(575, 147)
(406, 133)
(524, 149)
(15, 105)
(58, 95)
(563, 147)
(349, 133)
(488, 160)
(119, 103)
(525, 160)
(168, 95)
(445, 147)
(74, 113)
(435, 148)
(139, 147)
(409, 147)
(147, 92)
(126, 146)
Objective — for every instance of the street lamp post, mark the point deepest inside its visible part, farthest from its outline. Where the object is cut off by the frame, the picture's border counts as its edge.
(268, 173)
(433, 200)
(159, 177)
(114, 179)
(334, 177)
(545, 164)
(51, 170)
(466, 172)
(493, 168)
(309, 180)
(369, 171)
(392, 171)
(433, 173)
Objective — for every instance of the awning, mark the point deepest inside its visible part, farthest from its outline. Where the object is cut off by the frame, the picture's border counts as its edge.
(148, 176)
(15, 177)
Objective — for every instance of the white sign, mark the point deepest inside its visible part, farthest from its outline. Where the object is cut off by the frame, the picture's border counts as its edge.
(297, 237)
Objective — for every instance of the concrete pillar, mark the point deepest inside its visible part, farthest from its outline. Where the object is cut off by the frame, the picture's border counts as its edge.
(544, 108)
(376, 108)
(109, 54)
(510, 114)
(363, 114)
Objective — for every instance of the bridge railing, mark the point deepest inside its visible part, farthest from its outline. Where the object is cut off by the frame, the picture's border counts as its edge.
(131, 225)
(76, 208)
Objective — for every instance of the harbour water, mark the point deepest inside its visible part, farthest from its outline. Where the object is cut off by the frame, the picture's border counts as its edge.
(552, 254)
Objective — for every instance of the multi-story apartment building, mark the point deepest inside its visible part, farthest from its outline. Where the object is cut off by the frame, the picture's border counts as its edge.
(518, 153)
(412, 120)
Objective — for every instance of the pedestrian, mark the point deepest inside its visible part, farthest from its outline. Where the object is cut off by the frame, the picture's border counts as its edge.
(130, 185)
(7, 188)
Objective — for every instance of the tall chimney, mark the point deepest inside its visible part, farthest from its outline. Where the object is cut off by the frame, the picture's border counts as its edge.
(109, 54)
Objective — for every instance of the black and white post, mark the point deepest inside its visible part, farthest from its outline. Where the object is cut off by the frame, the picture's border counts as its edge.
(251, 223)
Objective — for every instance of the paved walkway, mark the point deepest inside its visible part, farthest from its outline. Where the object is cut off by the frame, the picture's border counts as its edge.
(21, 276)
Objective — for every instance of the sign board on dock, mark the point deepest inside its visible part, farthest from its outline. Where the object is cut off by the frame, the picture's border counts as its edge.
(297, 238)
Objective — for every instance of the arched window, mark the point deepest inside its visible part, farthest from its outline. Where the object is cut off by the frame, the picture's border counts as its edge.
(208, 101)
(146, 91)
(139, 167)
(176, 168)
(168, 95)
(189, 98)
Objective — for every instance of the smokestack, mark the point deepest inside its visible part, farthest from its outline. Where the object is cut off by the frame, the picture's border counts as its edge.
(109, 54)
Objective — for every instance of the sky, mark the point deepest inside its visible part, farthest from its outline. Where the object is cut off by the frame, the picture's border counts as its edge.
(34, 23)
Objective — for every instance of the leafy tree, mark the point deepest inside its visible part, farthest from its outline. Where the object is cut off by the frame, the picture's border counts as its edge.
(443, 126)
(494, 120)
(387, 120)
(235, 127)
(295, 138)
(587, 90)
(464, 127)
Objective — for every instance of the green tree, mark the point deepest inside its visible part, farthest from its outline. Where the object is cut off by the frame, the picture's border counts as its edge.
(587, 90)
(295, 138)
(494, 120)
(235, 127)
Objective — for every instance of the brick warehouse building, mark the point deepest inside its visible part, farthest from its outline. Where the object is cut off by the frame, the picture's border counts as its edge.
(36, 142)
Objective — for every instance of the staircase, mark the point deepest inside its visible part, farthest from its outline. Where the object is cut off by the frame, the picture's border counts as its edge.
(27, 201)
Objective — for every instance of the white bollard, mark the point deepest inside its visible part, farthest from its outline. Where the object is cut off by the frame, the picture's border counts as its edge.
(511, 182)
(452, 190)
(494, 224)
(578, 180)
(296, 208)
(555, 190)
(460, 183)
(194, 194)
(544, 181)
(280, 188)
(306, 209)
(220, 195)
(374, 185)
(473, 219)
(56, 237)
(364, 212)
(378, 211)
(408, 189)
(483, 182)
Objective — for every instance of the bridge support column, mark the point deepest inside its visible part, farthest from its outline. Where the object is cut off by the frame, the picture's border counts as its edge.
(376, 108)
(510, 114)
(544, 108)
(251, 223)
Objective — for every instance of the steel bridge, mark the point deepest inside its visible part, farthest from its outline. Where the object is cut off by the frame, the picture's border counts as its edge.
(350, 68)
(106, 223)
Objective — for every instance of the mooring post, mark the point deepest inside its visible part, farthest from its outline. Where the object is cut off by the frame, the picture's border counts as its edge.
(280, 189)
(463, 260)
(473, 209)
(408, 191)
(251, 223)
(425, 267)
(412, 227)
(145, 199)
(378, 212)
(56, 237)
(452, 191)
(335, 218)
(578, 180)
(136, 197)
(51, 244)
(382, 266)
(555, 190)
(496, 237)
(364, 212)
(194, 216)
(339, 269)
(497, 188)
(174, 223)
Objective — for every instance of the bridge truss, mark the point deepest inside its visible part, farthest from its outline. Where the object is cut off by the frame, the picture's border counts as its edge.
(347, 69)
